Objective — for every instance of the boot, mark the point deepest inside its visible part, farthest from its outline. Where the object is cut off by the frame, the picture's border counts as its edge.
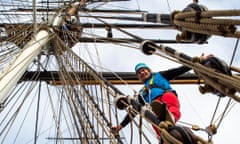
(161, 112)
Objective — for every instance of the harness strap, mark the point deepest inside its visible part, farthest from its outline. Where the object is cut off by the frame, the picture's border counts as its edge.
(151, 85)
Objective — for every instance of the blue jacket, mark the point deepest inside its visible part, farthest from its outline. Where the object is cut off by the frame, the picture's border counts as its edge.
(154, 86)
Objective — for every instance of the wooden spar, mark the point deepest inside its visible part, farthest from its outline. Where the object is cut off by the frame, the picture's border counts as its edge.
(118, 82)
(11, 75)
(119, 78)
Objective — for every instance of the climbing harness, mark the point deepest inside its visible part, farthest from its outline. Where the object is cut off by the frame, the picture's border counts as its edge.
(147, 89)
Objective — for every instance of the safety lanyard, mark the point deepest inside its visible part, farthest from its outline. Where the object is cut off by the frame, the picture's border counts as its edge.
(151, 85)
(150, 90)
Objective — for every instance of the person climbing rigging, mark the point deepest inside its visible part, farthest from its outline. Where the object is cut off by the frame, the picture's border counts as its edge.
(157, 89)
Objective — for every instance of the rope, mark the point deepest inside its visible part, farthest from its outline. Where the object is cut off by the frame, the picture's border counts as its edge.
(203, 22)
(67, 58)
(229, 101)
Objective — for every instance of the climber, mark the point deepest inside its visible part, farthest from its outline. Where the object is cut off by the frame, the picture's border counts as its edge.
(157, 89)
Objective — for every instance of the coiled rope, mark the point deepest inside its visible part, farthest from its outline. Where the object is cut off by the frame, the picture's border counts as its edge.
(207, 22)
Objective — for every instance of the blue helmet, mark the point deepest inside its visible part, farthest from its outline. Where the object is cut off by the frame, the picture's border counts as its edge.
(141, 65)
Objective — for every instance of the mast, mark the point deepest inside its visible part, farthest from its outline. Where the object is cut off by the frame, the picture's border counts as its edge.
(12, 74)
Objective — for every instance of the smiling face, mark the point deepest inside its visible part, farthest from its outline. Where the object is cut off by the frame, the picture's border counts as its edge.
(143, 74)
